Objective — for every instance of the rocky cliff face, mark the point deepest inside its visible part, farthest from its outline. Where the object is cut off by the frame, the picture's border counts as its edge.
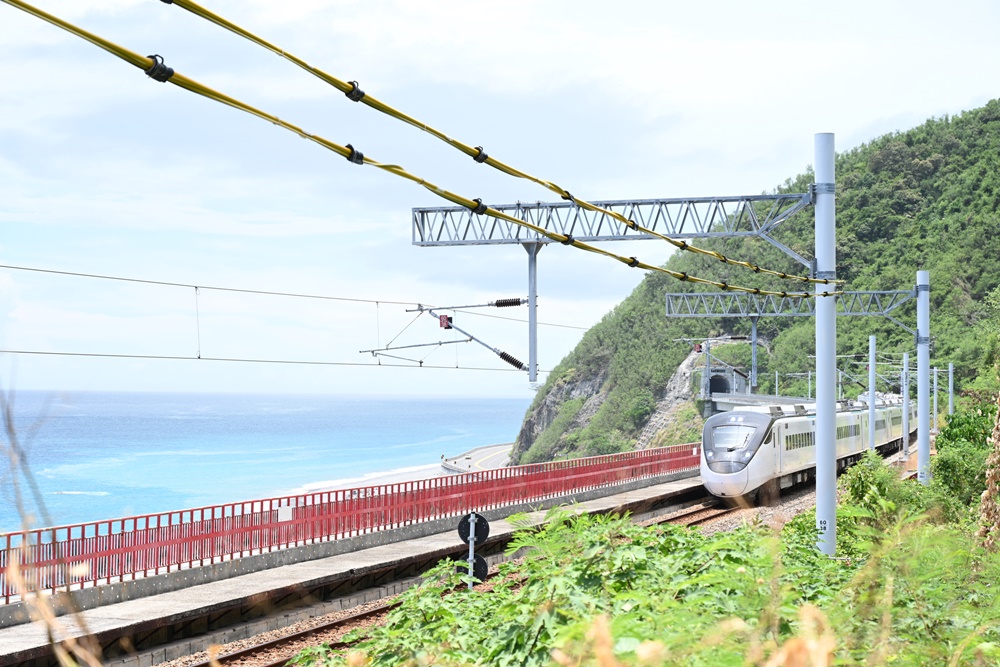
(591, 390)
(674, 416)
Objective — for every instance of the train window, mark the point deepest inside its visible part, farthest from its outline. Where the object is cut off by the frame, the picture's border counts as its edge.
(731, 437)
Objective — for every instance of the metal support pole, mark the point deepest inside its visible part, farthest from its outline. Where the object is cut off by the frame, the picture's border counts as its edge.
(472, 547)
(809, 395)
(776, 384)
(871, 392)
(706, 374)
(904, 382)
(753, 352)
(951, 389)
(840, 384)
(935, 400)
(826, 346)
(532, 249)
(923, 376)
(706, 381)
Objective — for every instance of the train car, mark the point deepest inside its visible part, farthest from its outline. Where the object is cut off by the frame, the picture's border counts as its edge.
(774, 446)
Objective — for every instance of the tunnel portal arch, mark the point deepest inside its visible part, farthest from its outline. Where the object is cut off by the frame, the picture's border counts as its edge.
(719, 384)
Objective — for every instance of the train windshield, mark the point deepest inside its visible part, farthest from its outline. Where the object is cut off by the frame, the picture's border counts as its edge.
(731, 437)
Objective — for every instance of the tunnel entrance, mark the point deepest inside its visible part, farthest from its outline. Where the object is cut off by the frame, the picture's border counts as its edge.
(719, 384)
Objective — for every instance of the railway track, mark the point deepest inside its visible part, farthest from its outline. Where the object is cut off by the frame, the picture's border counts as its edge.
(277, 652)
(694, 515)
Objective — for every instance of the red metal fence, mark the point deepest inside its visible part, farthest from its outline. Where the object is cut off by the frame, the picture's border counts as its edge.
(75, 556)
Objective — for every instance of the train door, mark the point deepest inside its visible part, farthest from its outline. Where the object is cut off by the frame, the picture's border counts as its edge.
(770, 448)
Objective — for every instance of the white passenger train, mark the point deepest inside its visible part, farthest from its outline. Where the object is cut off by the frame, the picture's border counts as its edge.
(746, 448)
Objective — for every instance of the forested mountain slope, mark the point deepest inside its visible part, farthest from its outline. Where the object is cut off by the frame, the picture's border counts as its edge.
(926, 199)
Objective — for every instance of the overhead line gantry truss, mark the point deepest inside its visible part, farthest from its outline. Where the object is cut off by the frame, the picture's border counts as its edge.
(681, 218)
(725, 304)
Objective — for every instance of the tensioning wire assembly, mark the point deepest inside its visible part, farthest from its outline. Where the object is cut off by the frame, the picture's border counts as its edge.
(353, 92)
(448, 322)
(155, 67)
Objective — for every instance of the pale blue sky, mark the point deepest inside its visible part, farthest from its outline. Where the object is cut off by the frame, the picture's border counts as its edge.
(103, 170)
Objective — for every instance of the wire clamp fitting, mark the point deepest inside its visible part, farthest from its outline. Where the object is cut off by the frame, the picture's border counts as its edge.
(633, 262)
(355, 93)
(481, 156)
(480, 207)
(821, 189)
(357, 157)
(169, 2)
(158, 71)
(569, 197)
(568, 240)
(683, 277)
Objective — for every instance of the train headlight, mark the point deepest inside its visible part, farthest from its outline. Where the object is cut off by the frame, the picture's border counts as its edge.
(726, 467)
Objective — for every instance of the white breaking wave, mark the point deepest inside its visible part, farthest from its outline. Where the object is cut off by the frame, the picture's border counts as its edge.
(81, 493)
(373, 478)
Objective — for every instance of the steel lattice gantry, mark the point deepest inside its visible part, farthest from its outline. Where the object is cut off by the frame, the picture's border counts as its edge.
(735, 304)
(681, 218)
(754, 306)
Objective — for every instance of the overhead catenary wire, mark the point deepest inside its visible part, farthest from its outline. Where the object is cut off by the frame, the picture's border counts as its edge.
(353, 92)
(247, 360)
(516, 319)
(238, 290)
(167, 283)
(156, 69)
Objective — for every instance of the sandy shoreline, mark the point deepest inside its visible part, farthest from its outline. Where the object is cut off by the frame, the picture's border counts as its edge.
(480, 458)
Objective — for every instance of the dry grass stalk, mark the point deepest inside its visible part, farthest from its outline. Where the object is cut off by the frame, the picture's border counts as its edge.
(812, 648)
(69, 651)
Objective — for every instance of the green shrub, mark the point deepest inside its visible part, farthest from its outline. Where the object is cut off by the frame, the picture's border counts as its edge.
(968, 427)
(639, 404)
(878, 494)
(960, 469)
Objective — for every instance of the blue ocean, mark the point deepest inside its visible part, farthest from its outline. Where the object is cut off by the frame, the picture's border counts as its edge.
(94, 455)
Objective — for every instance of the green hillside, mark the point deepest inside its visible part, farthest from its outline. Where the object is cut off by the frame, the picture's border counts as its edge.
(926, 199)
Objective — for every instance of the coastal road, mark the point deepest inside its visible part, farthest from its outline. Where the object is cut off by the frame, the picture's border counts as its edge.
(481, 458)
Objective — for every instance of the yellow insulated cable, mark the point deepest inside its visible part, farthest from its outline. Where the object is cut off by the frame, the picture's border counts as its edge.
(154, 67)
(354, 92)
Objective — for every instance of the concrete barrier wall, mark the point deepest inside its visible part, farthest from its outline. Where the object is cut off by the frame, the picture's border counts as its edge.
(106, 594)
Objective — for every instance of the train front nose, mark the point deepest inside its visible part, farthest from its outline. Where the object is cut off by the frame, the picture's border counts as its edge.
(725, 484)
